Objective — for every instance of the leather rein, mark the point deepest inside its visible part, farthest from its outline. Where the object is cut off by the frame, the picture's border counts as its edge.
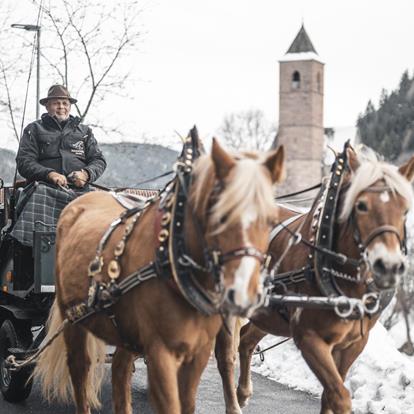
(172, 262)
(322, 256)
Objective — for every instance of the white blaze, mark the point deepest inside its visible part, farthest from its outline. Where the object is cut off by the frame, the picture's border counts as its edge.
(247, 265)
(385, 197)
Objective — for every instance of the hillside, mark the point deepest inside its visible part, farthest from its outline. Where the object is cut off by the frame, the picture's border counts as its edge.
(389, 129)
(128, 164)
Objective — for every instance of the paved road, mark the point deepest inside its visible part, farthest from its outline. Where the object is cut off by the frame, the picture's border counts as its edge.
(269, 398)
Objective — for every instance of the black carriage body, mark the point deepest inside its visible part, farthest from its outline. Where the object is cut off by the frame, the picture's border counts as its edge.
(27, 286)
(27, 281)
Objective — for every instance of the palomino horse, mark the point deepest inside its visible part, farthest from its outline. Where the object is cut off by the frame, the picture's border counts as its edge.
(226, 209)
(370, 227)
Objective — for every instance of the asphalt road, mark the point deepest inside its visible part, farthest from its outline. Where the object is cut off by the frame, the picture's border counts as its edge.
(269, 398)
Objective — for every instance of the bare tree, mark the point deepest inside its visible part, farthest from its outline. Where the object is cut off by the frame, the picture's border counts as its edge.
(86, 46)
(11, 69)
(247, 130)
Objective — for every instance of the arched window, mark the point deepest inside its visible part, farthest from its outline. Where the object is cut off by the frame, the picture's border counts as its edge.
(318, 82)
(296, 80)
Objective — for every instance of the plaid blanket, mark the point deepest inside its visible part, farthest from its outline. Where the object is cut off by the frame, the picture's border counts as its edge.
(38, 207)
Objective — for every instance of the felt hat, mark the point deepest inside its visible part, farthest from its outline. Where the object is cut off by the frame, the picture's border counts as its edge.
(57, 92)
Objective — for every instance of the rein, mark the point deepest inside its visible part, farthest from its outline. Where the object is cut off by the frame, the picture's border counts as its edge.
(172, 262)
(322, 257)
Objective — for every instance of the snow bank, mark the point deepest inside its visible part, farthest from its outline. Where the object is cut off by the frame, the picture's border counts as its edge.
(381, 380)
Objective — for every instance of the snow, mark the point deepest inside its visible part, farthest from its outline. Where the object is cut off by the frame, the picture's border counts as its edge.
(381, 380)
(290, 57)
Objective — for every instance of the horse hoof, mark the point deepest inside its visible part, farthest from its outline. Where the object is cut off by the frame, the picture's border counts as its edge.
(234, 411)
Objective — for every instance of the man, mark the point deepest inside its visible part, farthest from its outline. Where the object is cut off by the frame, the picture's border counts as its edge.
(55, 152)
(58, 146)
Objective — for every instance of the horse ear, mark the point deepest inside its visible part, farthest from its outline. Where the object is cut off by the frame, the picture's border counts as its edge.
(352, 159)
(407, 169)
(275, 163)
(223, 162)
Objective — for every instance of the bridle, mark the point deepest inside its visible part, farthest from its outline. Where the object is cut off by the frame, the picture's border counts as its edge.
(173, 257)
(322, 256)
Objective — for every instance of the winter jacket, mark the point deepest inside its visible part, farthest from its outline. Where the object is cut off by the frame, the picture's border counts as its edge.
(46, 146)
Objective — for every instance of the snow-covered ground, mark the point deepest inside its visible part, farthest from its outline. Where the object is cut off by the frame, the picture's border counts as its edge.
(381, 379)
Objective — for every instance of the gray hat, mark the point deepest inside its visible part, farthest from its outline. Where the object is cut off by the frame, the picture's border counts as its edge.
(57, 92)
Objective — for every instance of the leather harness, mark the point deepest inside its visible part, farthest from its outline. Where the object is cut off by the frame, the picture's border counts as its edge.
(172, 262)
(320, 268)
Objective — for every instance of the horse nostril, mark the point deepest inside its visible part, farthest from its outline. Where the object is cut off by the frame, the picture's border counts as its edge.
(379, 267)
(401, 268)
(231, 295)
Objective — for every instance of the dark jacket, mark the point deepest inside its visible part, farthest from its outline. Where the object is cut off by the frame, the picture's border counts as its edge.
(46, 146)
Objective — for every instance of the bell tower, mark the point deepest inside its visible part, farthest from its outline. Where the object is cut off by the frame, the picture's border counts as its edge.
(301, 75)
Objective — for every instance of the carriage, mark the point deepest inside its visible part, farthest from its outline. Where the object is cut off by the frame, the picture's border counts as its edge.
(27, 292)
(27, 276)
(27, 288)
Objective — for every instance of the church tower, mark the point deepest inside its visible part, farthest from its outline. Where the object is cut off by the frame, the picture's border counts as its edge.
(301, 113)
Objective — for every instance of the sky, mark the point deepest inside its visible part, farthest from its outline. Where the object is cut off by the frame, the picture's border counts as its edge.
(201, 60)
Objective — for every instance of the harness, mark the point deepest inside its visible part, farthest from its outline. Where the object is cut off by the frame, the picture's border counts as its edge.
(322, 258)
(172, 262)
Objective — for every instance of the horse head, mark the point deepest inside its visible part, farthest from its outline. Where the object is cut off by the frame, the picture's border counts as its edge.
(232, 198)
(377, 199)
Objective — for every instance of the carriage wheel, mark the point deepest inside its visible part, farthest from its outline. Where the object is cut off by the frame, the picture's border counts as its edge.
(14, 385)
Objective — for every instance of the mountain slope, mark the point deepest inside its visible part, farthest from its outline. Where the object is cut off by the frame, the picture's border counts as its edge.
(127, 164)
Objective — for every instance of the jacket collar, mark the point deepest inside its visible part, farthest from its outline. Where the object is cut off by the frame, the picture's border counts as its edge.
(73, 121)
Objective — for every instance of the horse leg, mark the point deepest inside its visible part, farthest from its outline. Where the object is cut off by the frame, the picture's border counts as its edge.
(318, 355)
(225, 356)
(250, 336)
(189, 378)
(344, 360)
(162, 367)
(78, 363)
(122, 363)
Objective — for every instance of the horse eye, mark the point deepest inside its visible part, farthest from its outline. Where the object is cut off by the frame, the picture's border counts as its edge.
(362, 207)
(223, 219)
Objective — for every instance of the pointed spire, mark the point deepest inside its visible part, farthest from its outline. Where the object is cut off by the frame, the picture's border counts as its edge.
(302, 43)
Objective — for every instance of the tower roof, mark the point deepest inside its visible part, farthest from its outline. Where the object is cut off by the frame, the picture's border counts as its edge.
(302, 43)
(301, 49)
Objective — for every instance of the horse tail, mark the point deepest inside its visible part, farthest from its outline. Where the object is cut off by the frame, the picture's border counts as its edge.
(52, 369)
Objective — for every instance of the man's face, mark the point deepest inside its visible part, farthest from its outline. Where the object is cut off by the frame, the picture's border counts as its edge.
(59, 108)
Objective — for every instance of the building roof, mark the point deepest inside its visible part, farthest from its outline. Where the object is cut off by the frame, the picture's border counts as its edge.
(302, 43)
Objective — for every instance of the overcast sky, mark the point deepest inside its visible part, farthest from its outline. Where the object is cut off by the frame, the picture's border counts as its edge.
(200, 60)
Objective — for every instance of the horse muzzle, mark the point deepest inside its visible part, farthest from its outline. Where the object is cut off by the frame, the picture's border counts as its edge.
(233, 305)
(388, 271)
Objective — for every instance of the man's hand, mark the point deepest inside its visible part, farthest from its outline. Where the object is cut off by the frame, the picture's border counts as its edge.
(79, 178)
(57, 179)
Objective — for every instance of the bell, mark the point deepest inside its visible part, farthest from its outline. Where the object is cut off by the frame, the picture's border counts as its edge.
(119, 249)
(163, 235)
(114, 269)
(166, 218)
(169, 201)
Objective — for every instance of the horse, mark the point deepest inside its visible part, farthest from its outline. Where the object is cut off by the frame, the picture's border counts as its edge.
(369, 227)
(220, 209)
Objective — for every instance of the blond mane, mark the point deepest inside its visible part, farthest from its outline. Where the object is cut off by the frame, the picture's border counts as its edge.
(248, 184)
(369, 172)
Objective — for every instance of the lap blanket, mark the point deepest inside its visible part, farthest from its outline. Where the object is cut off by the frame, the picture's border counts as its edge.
(39, 207)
